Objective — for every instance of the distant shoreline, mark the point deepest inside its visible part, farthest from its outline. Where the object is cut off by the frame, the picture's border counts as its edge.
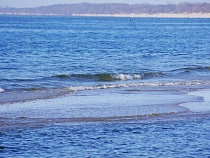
(180, 10)
(157, 15)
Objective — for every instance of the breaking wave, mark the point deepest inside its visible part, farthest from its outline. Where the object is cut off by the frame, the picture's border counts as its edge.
(127, 77)
(138, 84)
(145, 74)
(101, 77)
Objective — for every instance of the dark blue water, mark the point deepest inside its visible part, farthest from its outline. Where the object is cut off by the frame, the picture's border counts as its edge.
(62, 52)
(174, 137)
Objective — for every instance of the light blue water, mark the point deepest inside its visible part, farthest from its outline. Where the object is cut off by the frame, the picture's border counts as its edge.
(128, 79)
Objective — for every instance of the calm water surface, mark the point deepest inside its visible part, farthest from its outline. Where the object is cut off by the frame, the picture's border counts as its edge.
(159, 137)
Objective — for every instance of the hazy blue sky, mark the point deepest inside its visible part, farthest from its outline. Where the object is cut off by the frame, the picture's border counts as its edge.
(35, 3)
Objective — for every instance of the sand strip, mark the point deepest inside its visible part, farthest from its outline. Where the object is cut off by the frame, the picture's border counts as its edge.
(158, 15)
(199, 106)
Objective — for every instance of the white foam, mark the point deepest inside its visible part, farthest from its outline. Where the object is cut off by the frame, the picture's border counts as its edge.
(81, 88)
(1, 90)
(127, 76)
(137, 84)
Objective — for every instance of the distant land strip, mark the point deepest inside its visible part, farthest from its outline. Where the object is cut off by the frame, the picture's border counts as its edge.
(182, 10)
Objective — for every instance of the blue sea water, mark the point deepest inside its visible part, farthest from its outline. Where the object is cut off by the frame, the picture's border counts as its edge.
(175, 137)
(101, 86)
(59, 52)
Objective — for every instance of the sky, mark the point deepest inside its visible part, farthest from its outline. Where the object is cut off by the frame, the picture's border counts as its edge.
(36, 3)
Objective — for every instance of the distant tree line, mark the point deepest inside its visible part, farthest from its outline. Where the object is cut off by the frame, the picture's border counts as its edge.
(111, 8)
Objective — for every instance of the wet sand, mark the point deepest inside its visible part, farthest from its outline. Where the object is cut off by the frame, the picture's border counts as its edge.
(109, 105)
(100, 104)
(201, 106)
(83, 108)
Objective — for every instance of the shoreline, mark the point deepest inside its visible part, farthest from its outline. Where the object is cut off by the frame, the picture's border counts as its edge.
(158, 15)
(144, 15)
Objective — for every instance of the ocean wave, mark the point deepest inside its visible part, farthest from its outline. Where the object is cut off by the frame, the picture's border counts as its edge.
(101, 77)
(62, 76)
(127, 76)
(138, 84)
(107, 77)
(192, 69)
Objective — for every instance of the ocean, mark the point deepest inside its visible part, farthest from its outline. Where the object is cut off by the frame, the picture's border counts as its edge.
(104, 86)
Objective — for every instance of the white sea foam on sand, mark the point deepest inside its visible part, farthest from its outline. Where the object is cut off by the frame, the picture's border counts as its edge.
(203, 106)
